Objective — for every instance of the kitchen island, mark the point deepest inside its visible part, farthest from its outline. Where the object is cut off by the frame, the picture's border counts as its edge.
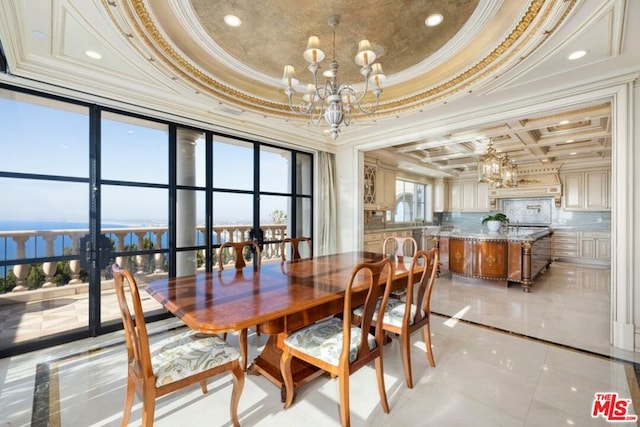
(515, 256)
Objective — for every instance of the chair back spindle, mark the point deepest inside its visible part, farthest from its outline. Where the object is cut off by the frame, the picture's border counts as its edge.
(295, 244)
(399, 247)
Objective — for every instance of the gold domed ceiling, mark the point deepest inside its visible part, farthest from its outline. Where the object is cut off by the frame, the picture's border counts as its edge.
(242, 66)
(275, 33)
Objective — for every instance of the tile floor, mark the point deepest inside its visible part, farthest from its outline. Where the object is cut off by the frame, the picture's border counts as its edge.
(484, 376)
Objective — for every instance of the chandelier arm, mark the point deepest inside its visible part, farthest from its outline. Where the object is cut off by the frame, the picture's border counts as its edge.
(358, 98)
(366, 88)
(371, 110)
(319, 113)
(302, 108)
(328, 90)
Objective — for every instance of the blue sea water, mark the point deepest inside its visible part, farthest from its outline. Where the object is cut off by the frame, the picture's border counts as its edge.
(36, 245)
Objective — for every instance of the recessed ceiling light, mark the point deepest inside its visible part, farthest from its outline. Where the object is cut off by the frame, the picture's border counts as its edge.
(576, 55)
(545, 160)
(569, 140)
(232, 21)
(93, 54)
(433, 20)
(573, 153)
(564, 122)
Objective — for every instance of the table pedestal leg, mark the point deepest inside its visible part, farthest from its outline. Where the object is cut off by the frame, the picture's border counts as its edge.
(267, 364)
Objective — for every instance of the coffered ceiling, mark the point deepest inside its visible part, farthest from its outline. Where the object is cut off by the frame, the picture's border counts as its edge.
(178, 58)
(577, 136)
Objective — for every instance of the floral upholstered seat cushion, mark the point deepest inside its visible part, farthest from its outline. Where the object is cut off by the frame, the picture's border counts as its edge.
(401, 294)
(323, 340)
(188, 353)
(393, 312)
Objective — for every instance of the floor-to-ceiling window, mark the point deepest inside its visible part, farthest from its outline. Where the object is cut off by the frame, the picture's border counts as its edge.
(133, 203)
(82, 187)
(44, 188)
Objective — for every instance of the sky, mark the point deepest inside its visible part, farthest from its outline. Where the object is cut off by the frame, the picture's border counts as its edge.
(42, 140)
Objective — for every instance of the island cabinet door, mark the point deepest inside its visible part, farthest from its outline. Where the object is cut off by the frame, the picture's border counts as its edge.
(515, 261)
(491, 260)
(461, 256)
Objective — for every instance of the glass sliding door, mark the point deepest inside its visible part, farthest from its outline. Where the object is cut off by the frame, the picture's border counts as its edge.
(84, 187)
(134, 202)
(304, 195)
(275, 198)
(233, 195)
(44, 182)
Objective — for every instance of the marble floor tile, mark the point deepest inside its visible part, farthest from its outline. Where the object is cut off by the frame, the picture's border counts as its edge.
(503, 358)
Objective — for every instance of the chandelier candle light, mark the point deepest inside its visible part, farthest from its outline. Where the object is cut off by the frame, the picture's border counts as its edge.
(335, 101)
(497, 170)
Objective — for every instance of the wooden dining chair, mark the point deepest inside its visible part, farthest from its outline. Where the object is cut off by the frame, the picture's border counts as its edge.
(172, 363)
(238, 252)
(337, 345)
(294, 244)
(399, 246)
(402, 322)
(238, 249)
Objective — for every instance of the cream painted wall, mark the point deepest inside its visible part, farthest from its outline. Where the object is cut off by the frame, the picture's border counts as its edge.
(349, 167)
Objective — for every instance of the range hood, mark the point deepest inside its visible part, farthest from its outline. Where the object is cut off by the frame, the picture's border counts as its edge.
(533, 183)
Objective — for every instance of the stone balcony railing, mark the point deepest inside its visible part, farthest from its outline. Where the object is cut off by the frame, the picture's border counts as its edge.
(52, 243)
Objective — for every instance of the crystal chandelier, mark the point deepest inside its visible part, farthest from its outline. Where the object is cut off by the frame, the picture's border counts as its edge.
(334, 101)
(497, 170)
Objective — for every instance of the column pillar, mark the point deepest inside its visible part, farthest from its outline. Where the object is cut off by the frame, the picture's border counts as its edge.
(186, 262)
(349, 215)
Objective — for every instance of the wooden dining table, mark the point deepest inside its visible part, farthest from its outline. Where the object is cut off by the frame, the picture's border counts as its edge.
(278, 298)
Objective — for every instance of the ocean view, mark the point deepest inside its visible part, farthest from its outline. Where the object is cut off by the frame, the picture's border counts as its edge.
(35, 246)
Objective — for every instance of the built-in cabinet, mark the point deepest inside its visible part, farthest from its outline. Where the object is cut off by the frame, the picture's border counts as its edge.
(373, 240)
(379, 182)
(595, 245)
(582, 190)
(565, 244)
(468, 196)
(582, 246)
(587, 190)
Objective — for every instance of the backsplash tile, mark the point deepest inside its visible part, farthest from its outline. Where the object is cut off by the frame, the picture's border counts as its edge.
(560, 218)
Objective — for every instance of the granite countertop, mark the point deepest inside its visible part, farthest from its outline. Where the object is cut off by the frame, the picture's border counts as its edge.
(582, 228)
(400, 228)
(519, 236)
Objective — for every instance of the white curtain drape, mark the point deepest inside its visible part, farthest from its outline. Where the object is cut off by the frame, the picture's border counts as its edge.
(327, 239)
